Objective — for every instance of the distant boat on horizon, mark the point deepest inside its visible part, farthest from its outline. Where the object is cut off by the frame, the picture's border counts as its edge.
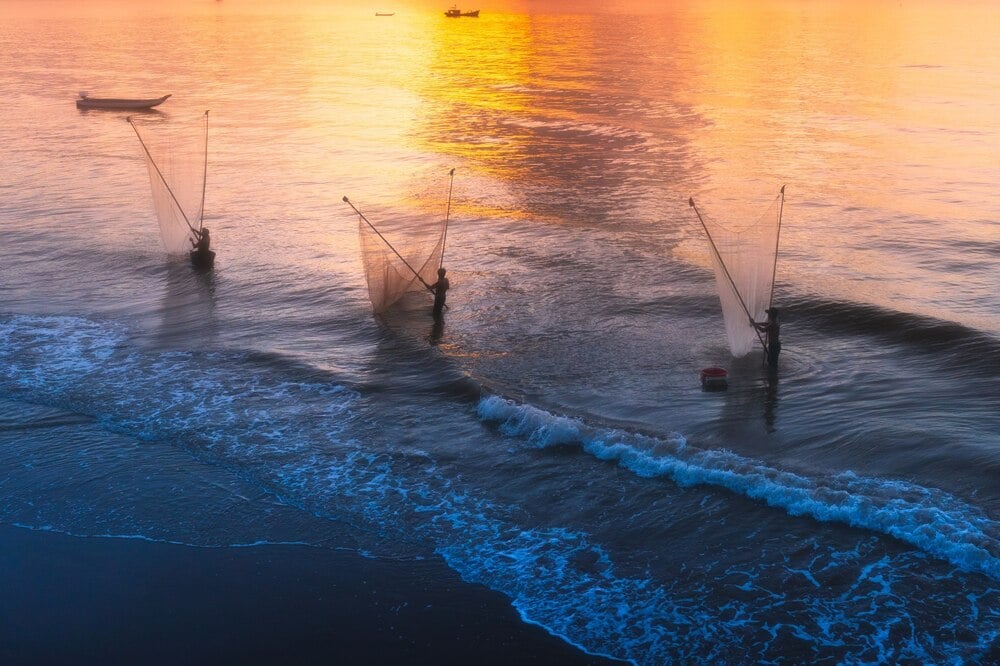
(87, 102)
(455, 12)
(385, 13)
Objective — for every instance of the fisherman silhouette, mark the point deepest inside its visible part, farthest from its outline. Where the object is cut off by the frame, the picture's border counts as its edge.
(203, 242)
(772, 331)
(440, 289)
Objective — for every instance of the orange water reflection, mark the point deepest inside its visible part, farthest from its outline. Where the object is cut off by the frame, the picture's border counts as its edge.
(890, 113)
(778, 92)
(559, 103)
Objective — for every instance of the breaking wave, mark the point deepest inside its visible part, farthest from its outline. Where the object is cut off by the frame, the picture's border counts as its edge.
(314, 445)
(927, 518)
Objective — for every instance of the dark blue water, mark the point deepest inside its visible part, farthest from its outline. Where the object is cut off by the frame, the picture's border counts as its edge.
(552, 441)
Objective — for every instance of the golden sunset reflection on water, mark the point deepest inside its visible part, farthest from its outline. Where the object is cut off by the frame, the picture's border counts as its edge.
(583, 305)
(575, 113)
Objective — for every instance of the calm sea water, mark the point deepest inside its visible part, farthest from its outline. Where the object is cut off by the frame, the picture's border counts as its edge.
(552, 442)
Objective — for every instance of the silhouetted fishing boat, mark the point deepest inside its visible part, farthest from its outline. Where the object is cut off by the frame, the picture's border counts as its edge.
(87, 102)
(454, 12)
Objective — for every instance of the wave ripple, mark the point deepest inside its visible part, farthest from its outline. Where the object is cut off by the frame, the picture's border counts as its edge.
(927, 518)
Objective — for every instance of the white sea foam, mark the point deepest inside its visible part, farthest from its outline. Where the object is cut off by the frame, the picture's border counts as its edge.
(69, 346)
(927, 518)
(295, 440)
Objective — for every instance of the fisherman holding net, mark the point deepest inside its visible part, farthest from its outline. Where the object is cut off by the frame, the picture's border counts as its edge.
(440, 289)
(176, 156)
(201, 246)
(391, 273)
(745, 261)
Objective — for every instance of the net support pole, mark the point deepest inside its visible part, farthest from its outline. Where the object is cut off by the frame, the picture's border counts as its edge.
(164, 180)
(204, 178)
(725, 270)
(384, 240)
(447, 215)
(777, 237)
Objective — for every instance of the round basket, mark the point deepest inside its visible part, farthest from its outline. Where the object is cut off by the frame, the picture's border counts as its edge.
(714, 378)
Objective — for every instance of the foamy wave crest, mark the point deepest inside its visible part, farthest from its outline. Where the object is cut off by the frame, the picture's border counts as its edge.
(927, 518)
(313, 446)
(72, 346)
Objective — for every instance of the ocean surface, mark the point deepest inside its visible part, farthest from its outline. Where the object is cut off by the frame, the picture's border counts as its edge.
(551, 441)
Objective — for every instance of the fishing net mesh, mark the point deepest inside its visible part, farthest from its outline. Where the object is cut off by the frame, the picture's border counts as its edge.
(744, 259)
(175, 153)
(419, 242)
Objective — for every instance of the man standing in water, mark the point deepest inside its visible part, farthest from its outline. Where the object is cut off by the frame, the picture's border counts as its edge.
(772, 332)
(440, 289)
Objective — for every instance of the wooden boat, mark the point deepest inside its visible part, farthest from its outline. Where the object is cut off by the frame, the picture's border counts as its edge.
(87, 102)
(455, 12)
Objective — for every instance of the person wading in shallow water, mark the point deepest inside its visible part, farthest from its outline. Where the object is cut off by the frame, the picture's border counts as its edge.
(772, 331)
(440, 289)
(204, 240)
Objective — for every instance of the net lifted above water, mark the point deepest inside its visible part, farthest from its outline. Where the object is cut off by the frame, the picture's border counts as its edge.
(744, 257)
(401, 252)
(419, 242)
(176, 154)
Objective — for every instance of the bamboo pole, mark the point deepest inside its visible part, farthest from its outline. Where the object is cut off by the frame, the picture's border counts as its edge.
(204, 179)
(777, 236)
(447, 215)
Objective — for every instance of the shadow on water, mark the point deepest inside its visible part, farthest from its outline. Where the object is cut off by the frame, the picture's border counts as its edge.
(123, 113)
(187, 310)
(770, 398)
(437, 330)
(407, 358)
(749, 411)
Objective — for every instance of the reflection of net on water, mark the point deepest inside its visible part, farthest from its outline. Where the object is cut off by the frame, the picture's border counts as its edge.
(176, 158)
(420, 244)
(744, 262)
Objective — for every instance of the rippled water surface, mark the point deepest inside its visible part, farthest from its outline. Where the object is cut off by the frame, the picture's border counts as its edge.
(551, 441)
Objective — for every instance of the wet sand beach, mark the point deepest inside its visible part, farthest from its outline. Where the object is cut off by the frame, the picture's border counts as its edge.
(74, 600)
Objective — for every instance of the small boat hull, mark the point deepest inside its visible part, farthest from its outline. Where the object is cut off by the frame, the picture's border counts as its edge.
(203, 260)
(126, 104)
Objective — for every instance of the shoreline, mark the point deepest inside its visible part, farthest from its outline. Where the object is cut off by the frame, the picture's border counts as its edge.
(107, 600)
